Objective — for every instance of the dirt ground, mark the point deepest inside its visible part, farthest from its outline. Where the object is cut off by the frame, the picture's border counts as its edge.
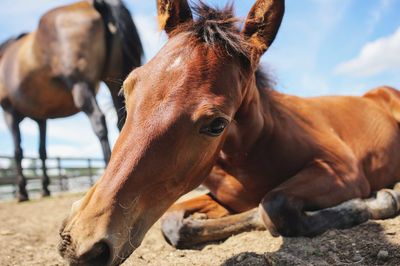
(29, 235)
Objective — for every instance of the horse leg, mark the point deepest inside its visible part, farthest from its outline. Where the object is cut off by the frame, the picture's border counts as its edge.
(204, 204)
(13, 119)
(216, 212)
(85, 100)
(182, 230)
(43, 157)
(119, 102)
(384, 204)
(289, 210)
(283, 210)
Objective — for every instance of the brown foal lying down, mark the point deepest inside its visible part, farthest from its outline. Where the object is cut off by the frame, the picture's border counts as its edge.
(200, 112)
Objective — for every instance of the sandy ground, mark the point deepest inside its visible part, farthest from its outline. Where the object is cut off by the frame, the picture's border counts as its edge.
(29, 235)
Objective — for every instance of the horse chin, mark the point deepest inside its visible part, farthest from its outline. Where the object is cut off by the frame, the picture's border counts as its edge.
(134, 238)
(124, 255)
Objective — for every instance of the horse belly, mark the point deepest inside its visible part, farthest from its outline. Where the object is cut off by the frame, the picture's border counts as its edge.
(42, 97)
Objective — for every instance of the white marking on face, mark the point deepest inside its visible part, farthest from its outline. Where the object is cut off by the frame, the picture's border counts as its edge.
(175, 64)
(223, 155)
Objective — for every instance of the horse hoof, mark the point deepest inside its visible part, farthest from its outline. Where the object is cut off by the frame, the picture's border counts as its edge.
(180, 232)
(22, 198)
(171, 224)
(45, 194)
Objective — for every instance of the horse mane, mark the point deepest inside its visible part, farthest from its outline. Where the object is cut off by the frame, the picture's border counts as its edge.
(5, 44)
(219, 28)
(264, 80)
(216, 27)
(114, 12)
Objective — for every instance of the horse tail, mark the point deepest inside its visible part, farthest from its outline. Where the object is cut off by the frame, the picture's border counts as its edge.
(118, 20)
(5, 44)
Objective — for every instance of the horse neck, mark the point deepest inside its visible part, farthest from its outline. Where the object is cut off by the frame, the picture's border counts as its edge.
(267, 123)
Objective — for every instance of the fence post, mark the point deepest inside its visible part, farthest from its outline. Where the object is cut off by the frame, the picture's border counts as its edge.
(90, 171)
(60, 167)
(60, 176)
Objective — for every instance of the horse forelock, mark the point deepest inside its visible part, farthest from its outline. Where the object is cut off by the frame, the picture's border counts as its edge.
(219, 28)
(216, 27)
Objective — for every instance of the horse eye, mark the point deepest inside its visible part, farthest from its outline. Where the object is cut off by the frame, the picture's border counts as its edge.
(215, 128)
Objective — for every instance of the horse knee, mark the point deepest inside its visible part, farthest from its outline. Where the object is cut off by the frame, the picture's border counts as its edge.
(99, 125)
(281, 214)
(42, 153)
(18, 154)
(83, 103)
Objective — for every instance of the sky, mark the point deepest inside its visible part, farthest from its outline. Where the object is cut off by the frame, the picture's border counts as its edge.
(324, 47)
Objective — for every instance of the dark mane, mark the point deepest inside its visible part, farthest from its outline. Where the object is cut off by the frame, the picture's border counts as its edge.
(219, 28)
(264, 81)
(9, 41)
(118, 14)
(216, 27)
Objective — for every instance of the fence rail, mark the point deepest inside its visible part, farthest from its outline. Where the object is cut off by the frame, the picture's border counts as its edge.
(60, 170)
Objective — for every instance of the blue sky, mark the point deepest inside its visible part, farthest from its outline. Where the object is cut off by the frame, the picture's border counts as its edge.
(324, 47)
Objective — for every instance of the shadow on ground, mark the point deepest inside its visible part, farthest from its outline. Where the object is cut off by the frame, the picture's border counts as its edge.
(29, 236)
(371, 243)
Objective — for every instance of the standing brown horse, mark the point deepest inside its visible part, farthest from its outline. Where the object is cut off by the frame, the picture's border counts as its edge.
(200, 112)
(55, 71)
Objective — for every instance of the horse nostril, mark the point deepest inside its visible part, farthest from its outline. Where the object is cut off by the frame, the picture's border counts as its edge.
(100, 254)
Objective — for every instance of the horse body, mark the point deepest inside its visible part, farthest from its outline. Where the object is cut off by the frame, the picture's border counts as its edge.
(34, 91)
(37, 83)
(200, 112)
(306, 131)
(55, 71)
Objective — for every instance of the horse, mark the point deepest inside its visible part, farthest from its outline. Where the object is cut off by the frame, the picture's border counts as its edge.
(55, 71)
(201, 111)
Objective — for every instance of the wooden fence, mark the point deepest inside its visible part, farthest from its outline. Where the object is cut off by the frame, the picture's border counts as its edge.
(59, 170)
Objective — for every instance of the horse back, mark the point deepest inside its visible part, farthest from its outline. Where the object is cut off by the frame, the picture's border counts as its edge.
(70, 41)
(9, 50)
(388, 98)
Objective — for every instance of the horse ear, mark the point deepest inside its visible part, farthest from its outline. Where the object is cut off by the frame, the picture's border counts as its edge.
(262, 25)
(171, 13)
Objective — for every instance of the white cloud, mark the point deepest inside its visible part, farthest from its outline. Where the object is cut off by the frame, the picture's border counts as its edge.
(376, 57)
